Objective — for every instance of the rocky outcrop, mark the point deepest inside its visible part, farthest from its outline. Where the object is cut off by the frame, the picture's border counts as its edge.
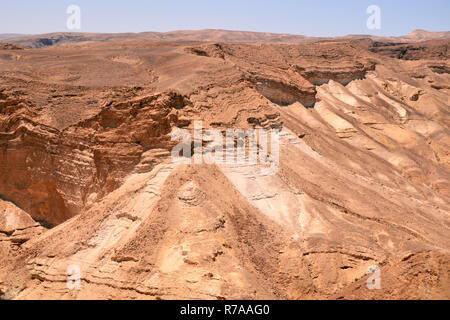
(433, 49)
(9, 46)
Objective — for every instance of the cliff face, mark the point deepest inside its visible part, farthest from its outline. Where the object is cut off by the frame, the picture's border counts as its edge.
(55, 174)
(86, 176)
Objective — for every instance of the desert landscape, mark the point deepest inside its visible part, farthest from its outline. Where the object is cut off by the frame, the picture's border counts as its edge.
(87, 178)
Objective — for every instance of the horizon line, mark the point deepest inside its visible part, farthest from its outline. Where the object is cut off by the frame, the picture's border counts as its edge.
(227, 30)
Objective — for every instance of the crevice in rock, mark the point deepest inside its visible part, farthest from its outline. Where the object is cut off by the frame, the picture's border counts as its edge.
(284, 94)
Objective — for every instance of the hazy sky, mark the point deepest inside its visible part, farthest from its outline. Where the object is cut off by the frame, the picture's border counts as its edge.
(314, 18)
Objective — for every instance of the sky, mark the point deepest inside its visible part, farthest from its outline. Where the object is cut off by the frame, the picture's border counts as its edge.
(311, 18)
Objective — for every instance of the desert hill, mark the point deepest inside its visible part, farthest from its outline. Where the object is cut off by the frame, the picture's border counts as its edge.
(208, 35)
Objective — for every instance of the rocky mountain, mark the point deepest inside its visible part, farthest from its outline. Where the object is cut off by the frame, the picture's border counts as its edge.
(421, 35)
(87, 180)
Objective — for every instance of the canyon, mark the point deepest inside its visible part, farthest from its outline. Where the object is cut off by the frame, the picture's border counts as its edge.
(87, 178)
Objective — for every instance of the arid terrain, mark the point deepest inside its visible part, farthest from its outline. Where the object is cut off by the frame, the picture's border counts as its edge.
(87, 178)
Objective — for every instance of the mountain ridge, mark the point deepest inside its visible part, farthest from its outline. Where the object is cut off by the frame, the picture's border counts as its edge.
(205, 35)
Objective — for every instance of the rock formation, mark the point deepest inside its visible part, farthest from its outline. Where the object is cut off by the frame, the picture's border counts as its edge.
(87, 178)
